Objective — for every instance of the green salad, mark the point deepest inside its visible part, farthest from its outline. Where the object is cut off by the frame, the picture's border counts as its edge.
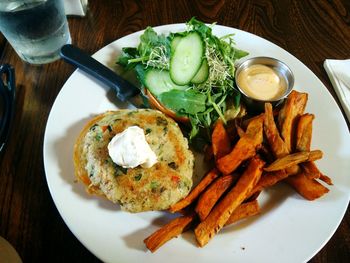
(190, 72)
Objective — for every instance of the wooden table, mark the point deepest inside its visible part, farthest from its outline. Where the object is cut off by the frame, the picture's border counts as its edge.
(310, 30)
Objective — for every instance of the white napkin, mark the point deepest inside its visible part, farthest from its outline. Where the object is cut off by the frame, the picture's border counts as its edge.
(75, 7)
(339, 73)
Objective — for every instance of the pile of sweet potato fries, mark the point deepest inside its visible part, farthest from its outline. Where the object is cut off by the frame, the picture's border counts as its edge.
(249, 156)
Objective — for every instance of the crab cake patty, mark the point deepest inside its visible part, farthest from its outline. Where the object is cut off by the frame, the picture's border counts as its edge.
(135, 189)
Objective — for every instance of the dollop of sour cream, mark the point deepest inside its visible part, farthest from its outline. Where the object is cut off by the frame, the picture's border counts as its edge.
(261, 82)
(130, 149)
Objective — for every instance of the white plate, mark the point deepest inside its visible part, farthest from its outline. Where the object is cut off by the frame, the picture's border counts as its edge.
(290, 229)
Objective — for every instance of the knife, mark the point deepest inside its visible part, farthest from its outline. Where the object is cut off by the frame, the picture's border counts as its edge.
(125, 91)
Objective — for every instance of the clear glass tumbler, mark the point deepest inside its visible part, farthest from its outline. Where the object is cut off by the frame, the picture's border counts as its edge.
(36, 29)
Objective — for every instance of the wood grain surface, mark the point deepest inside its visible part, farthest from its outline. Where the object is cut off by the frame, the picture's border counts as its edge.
(310, 30)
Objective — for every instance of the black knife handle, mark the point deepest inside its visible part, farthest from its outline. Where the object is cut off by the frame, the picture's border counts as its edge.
(77, 57)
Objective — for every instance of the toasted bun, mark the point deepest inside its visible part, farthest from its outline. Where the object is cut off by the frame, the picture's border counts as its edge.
(138, 189)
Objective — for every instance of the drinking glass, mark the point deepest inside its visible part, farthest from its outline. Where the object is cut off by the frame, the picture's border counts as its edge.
(36, 29)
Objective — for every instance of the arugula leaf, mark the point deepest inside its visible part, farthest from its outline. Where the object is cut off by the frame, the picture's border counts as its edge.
(149, 40)
(200, 27)
(236, 98)
(240, 53)
(128, 53)
(140, 73)
(195, 122)
(189, 101)
(153, 50)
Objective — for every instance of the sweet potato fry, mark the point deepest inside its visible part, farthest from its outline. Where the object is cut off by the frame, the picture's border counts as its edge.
(269, 179)
(311, 170)
(220, 140)
(293, 170)
(315, 155)
(293, 159)
(239, 130)
(304, 132)
(304, 135)
(277, 145)
(212, 194)
(224, 209)
(243, 211)
(288, 116)
(326, 179)
(255, 128)
(231, 129)
(310, 189)
(244, 149)
(245, 123)
(266, 153)
(252, 196)
(303, 142)
(196, 191)
(305, 182)
(172, 229)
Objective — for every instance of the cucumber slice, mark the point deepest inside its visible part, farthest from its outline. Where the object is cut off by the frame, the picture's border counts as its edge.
(202, 74)
(186, 58)
(175, 41)
(159, 81)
